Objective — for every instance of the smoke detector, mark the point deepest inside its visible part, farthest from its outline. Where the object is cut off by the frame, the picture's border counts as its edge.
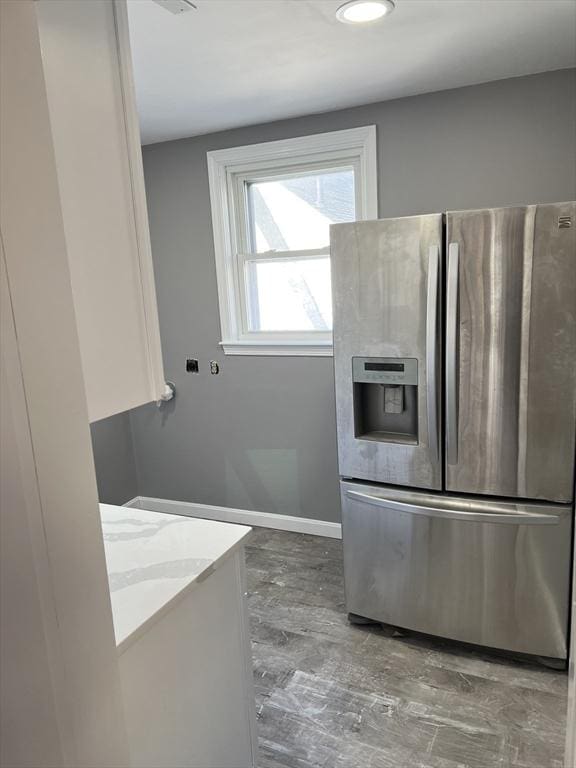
(176, 6)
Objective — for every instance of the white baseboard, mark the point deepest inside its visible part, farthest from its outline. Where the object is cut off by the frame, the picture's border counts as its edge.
(242, 516)
(135, 502)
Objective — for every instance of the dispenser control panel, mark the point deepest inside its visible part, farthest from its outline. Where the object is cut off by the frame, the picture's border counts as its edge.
(385, 370)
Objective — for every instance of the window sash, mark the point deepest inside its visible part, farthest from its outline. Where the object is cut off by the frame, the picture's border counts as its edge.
(243, 261)
(241, 202)
(242, 239)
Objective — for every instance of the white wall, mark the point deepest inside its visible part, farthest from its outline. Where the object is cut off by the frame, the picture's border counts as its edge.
(30, 732)
(61, 701)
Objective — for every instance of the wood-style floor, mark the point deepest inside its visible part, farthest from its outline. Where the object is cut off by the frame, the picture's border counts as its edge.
(331, 695)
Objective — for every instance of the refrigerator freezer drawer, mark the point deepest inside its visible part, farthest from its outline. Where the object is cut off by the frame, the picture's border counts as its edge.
(490, 573)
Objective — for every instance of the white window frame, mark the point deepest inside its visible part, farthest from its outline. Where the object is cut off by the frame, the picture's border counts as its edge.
(228, 172)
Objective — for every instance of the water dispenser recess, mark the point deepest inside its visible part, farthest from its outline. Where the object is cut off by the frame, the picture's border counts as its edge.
(386, 399)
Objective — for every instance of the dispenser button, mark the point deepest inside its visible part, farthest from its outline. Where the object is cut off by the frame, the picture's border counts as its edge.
(393, 399)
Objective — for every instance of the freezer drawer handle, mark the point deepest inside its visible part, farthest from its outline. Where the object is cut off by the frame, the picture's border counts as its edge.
(452, 355)
(512, 518)
(431, 351)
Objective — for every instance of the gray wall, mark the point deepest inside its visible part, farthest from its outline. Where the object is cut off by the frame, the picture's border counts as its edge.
(261, 435)
(115, 459)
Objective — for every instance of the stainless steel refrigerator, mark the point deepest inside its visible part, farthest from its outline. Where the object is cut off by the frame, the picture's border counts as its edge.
(455, 371)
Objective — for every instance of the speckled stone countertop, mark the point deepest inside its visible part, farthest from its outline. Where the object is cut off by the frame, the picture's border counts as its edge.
(154, 558)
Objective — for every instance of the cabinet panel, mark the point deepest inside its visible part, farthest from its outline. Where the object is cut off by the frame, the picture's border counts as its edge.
(202, 712)
(87, 68)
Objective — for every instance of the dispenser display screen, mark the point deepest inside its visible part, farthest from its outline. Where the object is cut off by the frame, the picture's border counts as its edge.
(384, 366)
(385, 370)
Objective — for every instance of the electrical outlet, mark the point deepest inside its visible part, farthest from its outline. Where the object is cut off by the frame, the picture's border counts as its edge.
(214, 367)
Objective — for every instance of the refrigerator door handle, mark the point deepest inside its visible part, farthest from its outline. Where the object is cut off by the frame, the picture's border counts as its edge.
(431, 351)
(452, 355)
(510, 518)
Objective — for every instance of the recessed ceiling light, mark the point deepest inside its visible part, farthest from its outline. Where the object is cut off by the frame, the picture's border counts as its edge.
(363, 11)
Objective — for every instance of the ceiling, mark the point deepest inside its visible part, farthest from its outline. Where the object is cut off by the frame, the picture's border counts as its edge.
(241, 62)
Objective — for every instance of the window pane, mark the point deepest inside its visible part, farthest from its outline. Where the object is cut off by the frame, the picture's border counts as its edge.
(295, 213)
(289, 295)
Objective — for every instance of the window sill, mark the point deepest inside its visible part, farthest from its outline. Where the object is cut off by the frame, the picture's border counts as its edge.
(278, 348)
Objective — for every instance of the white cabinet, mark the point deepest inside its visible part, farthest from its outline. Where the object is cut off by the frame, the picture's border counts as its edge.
(87, 68)
(178, 599)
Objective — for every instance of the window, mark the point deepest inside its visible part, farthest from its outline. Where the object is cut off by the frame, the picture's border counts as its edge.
(272, 207)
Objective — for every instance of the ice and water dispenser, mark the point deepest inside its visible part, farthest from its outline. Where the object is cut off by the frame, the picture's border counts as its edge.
(386, 399)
